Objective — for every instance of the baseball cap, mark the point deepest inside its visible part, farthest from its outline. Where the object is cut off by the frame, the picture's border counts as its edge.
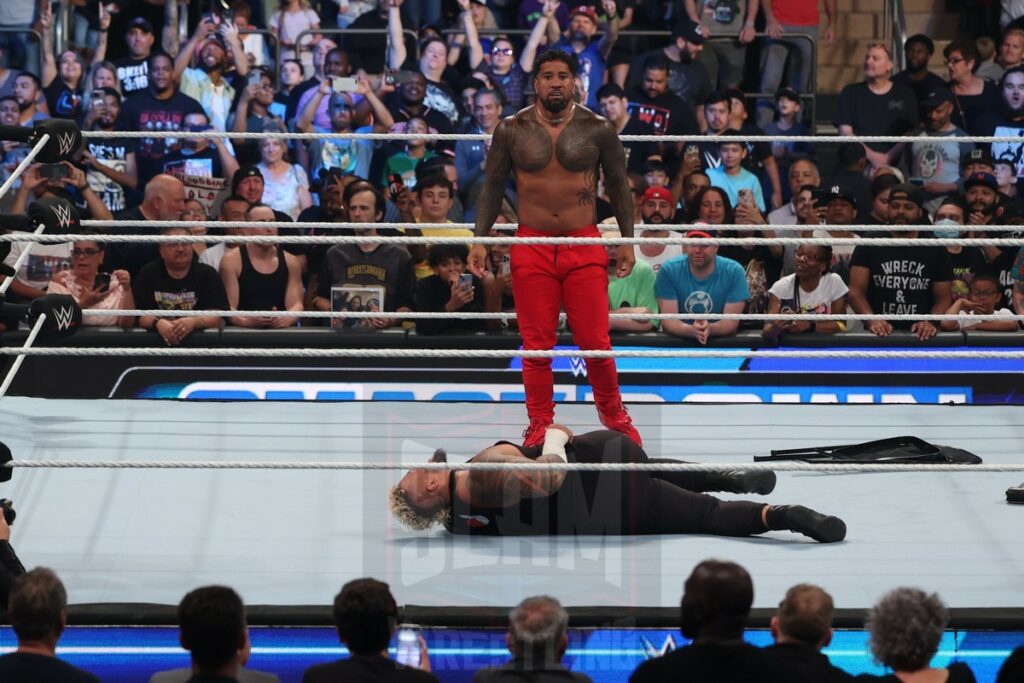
(688, 30)
(658, 192)
(247, 171)
(1011, 213)
(907, 192)
(978, 155)
(789, 94)
(844, 192)
(981, 178)
(141, 23)
(935, 97)
(585, 10)
(702, 230)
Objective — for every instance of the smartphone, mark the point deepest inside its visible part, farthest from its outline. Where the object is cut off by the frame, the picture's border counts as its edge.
(466, 280)
(506, 265)
(53, 171)
(819, 197)
(746, 197)
(395, 183)
(408, 645)
(256, 77)
(398, 77)
(97, 97)
(347, 84)
(102, 282)
(916, 181)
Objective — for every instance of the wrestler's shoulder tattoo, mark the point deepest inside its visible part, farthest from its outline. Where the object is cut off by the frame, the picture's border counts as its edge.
(532, 149)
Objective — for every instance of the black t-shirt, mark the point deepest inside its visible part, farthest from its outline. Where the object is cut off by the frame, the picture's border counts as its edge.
(114, 152)
(387, 266)
(370, 49)
(920, 87)
(433, 294)
(200, 289)
(894, 113)
(901, 278)
(689, 81)
(971, 111)
(665, 114)
(64, 102)
(959, 672)
(133, 75)
(23, 666)
(144, 112)
(637, 152)
(436, 123)
(1002, 266)
(366, 669)
(130, 256)
(967, 264)
(805, 664)
(711, 663)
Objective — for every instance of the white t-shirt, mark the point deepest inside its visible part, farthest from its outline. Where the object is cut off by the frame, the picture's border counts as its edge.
(968, 320)
(670, 252)
(829, 288)
(44, 261)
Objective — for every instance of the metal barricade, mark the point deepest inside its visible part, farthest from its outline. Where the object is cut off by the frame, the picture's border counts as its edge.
(273, 45)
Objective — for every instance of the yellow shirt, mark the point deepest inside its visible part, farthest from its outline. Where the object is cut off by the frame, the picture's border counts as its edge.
(422, 269)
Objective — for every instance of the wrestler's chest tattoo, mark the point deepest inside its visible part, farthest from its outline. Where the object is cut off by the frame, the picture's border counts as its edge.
(574, 149)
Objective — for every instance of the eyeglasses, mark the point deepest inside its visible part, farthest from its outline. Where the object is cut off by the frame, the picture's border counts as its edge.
(986, 293)
(85, 252)
(507, 51)
(955, 60)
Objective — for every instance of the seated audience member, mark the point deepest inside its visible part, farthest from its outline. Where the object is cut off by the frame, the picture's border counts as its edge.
(811, 289)
(195, 211)
(213, 630)
(285, 185)
(38, 610)
(631, 294)
(255, 113)
(905, 627)
(232, 208)
(200, 162)
(365, 616)
(28, 90)
(1006, 176)
(656, 208)
(471, 155)
(801, 172)
(178, 282)
(701, 282)
(109, 163)
(738, 183)
(801, 628)
(983, 299)
(900, 280)
(656, 173)
(434, 194)
(10, 566)
(714, 611)
(351, 156)
(262, 276)
(537, 638)
(374, 264)
(404, 163)
(711, 207)
(789, 122)
(449, 290)
(880, 187)
(164, 200)
(967, 262)
(936, 165)
(1012, 670)
(93, 289)
(692, 184)
(43, 263)
(840, 212)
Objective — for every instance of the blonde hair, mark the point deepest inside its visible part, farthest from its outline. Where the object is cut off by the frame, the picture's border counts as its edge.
(410, 516)
(881, 46)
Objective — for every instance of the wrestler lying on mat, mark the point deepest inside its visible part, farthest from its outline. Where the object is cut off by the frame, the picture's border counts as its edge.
(522, 502)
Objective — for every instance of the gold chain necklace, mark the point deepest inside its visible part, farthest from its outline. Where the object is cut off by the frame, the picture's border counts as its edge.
(555, 122)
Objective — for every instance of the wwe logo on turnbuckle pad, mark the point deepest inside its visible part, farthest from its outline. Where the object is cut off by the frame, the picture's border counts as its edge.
(63, 215)
(65, 316)
(66, 143)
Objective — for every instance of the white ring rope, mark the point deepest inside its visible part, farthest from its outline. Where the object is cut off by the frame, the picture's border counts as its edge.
(422, 315)
(787, 466)
(510, 241)
(682, 352)
(510, 227)
(386, 137)
(16, 365)
(29, 158)
(22, 258)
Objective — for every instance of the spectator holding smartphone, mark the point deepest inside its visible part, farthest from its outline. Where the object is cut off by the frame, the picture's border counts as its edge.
(453, 289)
(93, 289)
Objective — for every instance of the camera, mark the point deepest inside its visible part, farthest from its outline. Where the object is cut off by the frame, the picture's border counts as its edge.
(53, 171)
(8, 508)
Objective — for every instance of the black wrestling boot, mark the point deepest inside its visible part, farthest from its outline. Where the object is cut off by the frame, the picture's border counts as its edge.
(742, 481)
(822, 528)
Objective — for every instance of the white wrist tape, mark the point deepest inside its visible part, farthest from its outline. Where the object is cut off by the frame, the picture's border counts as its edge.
(554, 443)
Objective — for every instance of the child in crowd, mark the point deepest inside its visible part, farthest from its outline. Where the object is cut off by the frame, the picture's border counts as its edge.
(985, 295)
(292, 18)
(453, 289)
(811, 289)
(739, 183)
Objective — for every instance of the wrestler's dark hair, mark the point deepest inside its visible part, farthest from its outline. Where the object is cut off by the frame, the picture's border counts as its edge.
(212, 623)
(365, 614)
(556, 56)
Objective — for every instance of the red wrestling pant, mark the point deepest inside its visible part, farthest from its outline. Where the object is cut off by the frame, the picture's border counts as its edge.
(544, 279)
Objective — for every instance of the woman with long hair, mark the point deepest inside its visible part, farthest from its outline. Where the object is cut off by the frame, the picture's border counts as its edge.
(285, 185)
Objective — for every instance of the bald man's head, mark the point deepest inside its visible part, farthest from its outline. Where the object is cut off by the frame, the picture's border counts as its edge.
(805, 616)
(164, 198)
(716, 601)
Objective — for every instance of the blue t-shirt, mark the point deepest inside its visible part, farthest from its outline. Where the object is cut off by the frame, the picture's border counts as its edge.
(592, 67)
(727, 284)
(732, 184)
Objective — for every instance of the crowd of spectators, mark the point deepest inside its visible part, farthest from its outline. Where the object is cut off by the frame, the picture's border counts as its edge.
(127, 69)
(905, 627)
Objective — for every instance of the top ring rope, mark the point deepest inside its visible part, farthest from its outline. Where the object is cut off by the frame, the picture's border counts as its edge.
(216, 135)
(835, 468)
(510, 227)
(576, 241)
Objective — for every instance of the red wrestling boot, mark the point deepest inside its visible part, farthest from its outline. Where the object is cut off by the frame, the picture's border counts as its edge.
(616, 418)
(534, 434)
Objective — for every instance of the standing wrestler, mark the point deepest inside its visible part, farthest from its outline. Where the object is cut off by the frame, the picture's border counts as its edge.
(556, 150)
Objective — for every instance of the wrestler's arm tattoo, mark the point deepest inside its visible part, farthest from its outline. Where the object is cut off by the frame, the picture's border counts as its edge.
(499, 164)
(616, 181)
(508, 487)
(587, 195)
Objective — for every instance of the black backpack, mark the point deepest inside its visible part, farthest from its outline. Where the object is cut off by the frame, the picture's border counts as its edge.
(895, 450)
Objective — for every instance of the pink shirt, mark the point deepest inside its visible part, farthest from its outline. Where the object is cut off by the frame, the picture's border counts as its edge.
(64, 283)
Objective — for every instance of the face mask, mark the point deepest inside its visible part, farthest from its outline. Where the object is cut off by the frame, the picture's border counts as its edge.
(951, 230)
